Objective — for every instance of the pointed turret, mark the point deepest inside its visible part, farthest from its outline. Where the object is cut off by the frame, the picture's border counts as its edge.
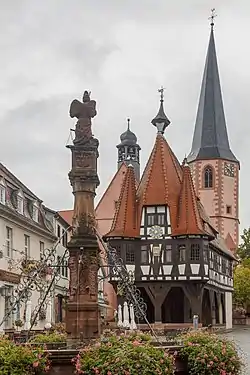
(210, 140)
(161, 121)
(124, 223)
(189, 221)
(129, 151)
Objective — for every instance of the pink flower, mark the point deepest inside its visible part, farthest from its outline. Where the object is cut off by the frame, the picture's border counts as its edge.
(109, 373)
(136, 343)
(36, 364)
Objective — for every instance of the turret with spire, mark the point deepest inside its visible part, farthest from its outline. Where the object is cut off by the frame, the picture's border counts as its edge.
(129, 150)
(210, 139)
(214, 167)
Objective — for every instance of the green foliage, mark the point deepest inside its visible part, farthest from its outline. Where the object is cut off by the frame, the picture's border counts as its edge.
(22, 359)
(242, 285)
(127, 354)
(243, 250)
(209, 354)
(58, 328)
(45, 338)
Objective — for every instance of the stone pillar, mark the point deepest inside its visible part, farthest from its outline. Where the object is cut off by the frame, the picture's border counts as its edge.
(220, 307)
(157, 308)
(194, 292)
(229, 310)
(82, 316)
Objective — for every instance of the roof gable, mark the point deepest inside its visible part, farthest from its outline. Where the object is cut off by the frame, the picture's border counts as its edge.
(124, 223)
(188, 220)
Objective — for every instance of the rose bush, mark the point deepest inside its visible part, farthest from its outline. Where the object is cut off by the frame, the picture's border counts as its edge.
(18, 359)
(49, 337)
(127, 354)
(209, 354)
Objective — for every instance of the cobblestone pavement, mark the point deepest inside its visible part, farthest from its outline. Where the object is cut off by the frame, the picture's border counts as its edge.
(241, 336)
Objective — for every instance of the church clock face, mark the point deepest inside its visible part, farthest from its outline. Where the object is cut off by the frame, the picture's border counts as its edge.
(229, 169)
(155, 232)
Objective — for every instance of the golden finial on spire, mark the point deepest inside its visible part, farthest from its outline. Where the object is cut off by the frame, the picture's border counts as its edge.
(212, 17)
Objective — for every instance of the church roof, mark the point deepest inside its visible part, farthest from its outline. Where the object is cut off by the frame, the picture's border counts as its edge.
(124, 223)
(164, 183)
(210, 140)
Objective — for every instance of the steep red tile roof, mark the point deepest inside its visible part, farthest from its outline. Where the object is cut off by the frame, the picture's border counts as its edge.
(161, 181)
(188, 220)
(124, 223)
(67, 215)
(230, 242)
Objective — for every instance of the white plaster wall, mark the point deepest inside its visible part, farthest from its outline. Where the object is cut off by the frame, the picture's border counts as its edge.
(19, 230)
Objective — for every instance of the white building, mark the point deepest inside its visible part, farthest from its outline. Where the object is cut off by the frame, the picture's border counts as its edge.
(27, 229)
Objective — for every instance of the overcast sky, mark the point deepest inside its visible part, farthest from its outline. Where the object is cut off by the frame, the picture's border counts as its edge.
(123, 51)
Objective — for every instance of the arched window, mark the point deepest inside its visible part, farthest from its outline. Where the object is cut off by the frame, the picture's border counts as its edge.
(208, 177)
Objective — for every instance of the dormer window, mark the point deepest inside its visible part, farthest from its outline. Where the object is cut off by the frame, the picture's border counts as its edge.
(156, 218)
(35, 212)
(20, 203)
(2, 193)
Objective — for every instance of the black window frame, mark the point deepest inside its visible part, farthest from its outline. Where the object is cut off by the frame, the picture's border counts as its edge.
(195, 252)
(224, 266)
(149, 217)
(182, 253)
(130, 254)
(208, 177)
(144, 252)
(161, 219)
(167, 251)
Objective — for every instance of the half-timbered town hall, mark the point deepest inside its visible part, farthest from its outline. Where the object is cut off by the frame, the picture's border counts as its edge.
(176, 226)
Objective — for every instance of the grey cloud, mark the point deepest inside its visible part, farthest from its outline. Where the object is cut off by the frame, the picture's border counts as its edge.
(122, 51)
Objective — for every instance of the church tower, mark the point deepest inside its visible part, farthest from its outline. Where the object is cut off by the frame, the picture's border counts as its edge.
(215, 168)
(129, 151)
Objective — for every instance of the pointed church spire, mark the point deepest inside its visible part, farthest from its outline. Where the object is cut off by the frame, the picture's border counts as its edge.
(161, 121)
(210, 140)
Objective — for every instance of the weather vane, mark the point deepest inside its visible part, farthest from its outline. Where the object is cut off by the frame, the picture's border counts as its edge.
(212, 17)
(161, 90)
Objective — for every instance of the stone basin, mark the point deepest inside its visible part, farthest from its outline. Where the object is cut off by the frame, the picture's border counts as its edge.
(62, 361)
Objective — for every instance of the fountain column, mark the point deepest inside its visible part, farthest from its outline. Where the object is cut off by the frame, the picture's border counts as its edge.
(82, 315)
